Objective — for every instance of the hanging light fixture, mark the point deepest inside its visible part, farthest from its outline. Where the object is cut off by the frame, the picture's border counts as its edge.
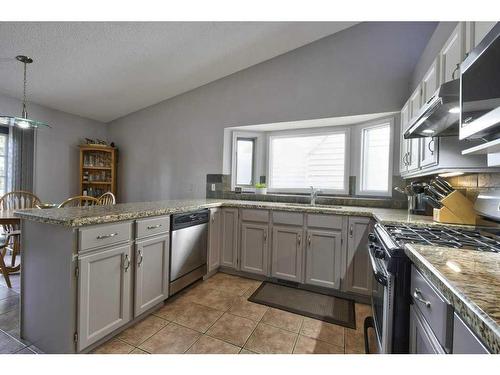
(22, 122)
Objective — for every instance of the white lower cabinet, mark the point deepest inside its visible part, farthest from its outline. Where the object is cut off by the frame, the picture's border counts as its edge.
(358, 273)
(287, 253)
(254, 255)
(323, 257)
(229, 238)
(104, 293)
(422, 339)
(214, 239)
(151, 272)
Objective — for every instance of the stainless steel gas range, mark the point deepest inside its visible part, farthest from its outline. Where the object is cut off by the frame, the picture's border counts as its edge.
(391, 272)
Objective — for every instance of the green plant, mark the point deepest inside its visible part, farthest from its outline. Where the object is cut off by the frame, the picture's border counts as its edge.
(260, 186)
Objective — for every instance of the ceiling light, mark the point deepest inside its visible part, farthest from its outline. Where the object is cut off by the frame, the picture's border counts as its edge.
(22, 122)
(428, 131)
(454, 110)
(450, 174)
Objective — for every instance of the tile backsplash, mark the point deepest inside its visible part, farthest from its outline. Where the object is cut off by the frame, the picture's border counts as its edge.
(222, 185)
(475, 183)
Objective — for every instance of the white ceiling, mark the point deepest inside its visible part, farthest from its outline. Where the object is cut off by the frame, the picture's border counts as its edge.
(107, 70)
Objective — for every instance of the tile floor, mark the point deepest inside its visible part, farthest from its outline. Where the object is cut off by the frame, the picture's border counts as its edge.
(215, 317)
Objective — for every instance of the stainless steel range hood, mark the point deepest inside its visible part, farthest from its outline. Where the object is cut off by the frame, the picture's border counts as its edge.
(439, 116)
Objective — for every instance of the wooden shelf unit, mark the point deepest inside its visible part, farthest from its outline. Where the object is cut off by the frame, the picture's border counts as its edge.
(97, 170)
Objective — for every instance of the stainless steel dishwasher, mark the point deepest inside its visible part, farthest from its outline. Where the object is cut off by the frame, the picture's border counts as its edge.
(188, 248)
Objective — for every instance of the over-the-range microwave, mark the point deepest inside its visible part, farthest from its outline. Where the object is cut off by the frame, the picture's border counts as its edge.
(480, 89)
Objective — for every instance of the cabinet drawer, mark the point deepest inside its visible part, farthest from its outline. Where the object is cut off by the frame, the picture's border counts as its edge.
(149, 227)
(254, 215)
(104, 235)
(288, 218)
(324, 221)
(434, 308)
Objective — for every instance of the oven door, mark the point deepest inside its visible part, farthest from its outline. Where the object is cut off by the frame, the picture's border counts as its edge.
(382, 303)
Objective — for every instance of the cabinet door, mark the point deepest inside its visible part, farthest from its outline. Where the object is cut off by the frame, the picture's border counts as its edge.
(405, 143)
(214, 239)
(476, 31)
(229, 237)
(429, 145)
(151, 273)
(414, 105)
(254, 249)
(358, 269)
(422, 340)
(287, 252)
(452, 54)
(104, 293)
(323, 258)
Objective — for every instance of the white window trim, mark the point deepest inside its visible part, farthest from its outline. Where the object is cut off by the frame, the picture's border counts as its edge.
(257, 157)
(306, 132)
(372, 125)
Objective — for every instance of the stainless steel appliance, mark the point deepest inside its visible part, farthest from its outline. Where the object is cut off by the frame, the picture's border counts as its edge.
(480, 89)
(488, 205)
(188, 249)
(440, 114)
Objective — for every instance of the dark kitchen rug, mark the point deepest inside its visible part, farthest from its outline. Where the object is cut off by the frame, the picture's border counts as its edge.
(330, 309)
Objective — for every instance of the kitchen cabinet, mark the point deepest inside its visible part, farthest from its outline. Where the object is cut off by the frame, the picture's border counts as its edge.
(464, 340)
(429, 145)
(254, 248)
(151, 272)
(414, 105)
(287, 252)
(104, 292)
(452, 54)
(214, 239)
(358, 274)
(422, 340)
(323, 257)
(229, 239)
(405, 143)
(476, 31)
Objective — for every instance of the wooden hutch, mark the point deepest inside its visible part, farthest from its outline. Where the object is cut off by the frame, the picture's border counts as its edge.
(97, 170)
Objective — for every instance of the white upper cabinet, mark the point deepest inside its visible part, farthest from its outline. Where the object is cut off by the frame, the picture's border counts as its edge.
(476, 31)
(452, 54)
(428, 145)
(405, 143)
(414, 105)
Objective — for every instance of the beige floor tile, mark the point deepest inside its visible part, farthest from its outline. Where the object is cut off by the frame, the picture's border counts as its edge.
(319, 330)
(214, 299)
(171, 309)
(246, 309)
(267, 339)
(252, 288)
(197, 317)
(355, 341)
(173, 339)
(138, 351)
(362, 311)
(246, 351)
(307, 345)
(114, 346)
(143, 330)
(283, 319)
(233, 329)
(210, 345)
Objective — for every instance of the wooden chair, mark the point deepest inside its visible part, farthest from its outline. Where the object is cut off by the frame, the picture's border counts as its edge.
(15, 200)
(11, 242)
(79, 201)
(107, 199)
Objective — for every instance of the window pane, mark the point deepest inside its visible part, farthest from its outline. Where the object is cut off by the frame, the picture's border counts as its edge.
(375, 168)
(303, 161)
(2, 166)
(2, 185)
(244, 161)
(3, 140)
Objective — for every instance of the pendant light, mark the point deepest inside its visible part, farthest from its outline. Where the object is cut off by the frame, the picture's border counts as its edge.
(23, 122)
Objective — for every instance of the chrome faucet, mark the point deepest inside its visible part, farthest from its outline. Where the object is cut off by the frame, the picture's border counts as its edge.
(314, 195)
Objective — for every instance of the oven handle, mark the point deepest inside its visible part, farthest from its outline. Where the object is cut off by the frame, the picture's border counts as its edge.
(379, 273)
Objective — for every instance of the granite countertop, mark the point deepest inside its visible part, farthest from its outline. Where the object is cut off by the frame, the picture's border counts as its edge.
(470, 280)
(82, 216)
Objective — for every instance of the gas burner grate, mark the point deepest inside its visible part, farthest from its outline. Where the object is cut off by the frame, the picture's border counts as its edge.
(448, 237)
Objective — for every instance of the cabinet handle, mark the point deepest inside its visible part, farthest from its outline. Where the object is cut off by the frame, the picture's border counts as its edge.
(416, 294)
(265, 235)
(429, 146)
(126, 263)
(104, 236)
(299, 239)
(213, 219)
(140, 258)
(350, 230)
(453, 73)
(309, 241)
(154, 226)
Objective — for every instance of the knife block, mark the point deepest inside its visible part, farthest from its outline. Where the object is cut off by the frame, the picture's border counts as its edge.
(457, 209)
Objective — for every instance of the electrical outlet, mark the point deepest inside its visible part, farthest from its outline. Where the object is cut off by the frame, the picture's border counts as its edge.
(212, 187)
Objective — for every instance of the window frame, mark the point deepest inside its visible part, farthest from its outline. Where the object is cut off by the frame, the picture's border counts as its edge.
(4, 132)
(309, 132)
(373, 125)
(256, 158)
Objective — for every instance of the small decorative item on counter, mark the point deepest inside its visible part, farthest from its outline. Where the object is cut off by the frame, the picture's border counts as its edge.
(237, 190)
(260, 188)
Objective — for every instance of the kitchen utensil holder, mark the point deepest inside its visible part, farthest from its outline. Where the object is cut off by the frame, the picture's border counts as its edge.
(457, 209)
